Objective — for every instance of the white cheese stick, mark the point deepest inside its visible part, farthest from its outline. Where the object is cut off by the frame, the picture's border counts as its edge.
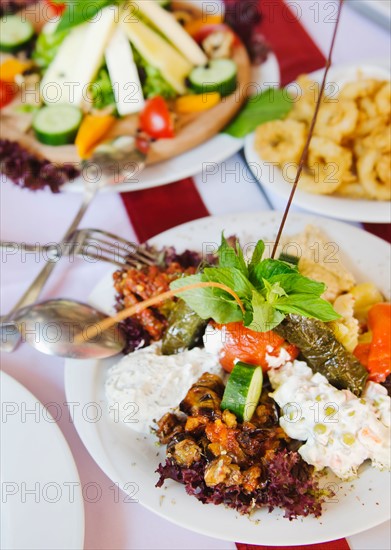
(78, 60)
(159, 53)
(166, 23)
(123, 74)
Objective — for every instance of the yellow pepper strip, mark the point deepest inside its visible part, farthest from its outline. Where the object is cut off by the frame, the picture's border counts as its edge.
(197, 103)
(11, 68)
(91, 132)
(193, 27)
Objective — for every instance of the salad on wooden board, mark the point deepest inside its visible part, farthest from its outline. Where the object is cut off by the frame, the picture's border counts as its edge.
(71, 77)
(259, 375)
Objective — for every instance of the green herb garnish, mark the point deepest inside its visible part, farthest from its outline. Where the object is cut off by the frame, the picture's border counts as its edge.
(79, 11)
(269, 289)
(271, 104)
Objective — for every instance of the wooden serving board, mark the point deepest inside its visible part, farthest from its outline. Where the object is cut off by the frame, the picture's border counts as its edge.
(191, 130)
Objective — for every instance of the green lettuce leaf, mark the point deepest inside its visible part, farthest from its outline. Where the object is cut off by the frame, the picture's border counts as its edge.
(271, 104)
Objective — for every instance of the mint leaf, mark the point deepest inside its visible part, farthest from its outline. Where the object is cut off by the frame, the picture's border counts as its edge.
(257, 255)
(273, 291)
(79, 11)
(229, 257)
(307, 305)
(268, 269)
(231, 277)
(294, 283)
(208, 302)
(269, 105)
(265, 317)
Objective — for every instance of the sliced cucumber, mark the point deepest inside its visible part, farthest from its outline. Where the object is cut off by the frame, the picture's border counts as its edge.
(220, 75)
(243, 390)
(57, 124)
(15, 33)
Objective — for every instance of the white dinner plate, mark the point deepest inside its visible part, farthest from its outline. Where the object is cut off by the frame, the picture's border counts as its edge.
(41, 497)
(272, 180)
(213, 151)
(130, 458)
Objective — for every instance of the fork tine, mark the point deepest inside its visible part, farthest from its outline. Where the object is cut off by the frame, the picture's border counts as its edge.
(127, 250)
(139, 249)
(109, 256)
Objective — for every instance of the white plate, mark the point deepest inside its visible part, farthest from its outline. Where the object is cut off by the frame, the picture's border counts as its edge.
(42, 505)
(215, 150)
(272, 180)
(377, 10)
(130, 459)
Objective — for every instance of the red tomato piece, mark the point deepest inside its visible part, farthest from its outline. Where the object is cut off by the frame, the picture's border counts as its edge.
(155, 119)
(7, 93)
(249, 346)
(206, 30)
(57, 8)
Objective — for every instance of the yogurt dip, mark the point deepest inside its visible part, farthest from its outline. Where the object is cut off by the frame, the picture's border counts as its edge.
(341, 431)
(145, 384)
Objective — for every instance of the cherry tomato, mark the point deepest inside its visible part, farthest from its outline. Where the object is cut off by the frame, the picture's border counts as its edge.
(241, 343)
(7, 93)
(206, 30)
(58, 8)
(155, 119)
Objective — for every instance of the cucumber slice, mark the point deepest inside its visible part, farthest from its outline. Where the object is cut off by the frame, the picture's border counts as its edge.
(220, 75)
(57, 124)
(243, 390)
(15, 33)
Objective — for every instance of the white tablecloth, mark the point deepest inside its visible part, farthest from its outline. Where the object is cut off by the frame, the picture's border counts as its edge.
(43, 217)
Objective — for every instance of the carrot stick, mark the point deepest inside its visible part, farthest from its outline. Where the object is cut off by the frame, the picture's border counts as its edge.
(379, 359)
(137, 308)
(91, 132)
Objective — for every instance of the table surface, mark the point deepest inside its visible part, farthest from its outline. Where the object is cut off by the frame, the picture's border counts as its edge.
(43, 217)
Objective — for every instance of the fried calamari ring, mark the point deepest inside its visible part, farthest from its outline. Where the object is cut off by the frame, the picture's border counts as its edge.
(379, 139)
(304, 105)
(280, 140)
(330, 162)
(374, 171)
(363, 87)
(352, 189)
(318, 183)
(383, 99)
(337, 120)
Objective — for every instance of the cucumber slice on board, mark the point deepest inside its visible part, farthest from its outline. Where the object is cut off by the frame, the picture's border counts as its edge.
(220, 75)
(243, 390)
(57, 124)
(15, 33)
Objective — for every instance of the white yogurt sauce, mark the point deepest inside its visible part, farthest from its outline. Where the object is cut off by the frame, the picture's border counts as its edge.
(340, 429)
(145, 384)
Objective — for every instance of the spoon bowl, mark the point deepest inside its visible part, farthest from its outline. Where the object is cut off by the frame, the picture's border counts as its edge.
(52, 326)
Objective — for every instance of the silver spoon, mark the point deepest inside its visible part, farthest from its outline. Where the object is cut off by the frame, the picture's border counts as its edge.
(112, 162)
(52, 326)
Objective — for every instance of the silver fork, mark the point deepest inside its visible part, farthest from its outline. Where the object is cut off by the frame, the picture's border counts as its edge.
(91, 244)
(113, 162)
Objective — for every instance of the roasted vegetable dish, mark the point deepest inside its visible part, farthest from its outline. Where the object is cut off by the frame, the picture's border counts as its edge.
(287, 345)
(243, 465)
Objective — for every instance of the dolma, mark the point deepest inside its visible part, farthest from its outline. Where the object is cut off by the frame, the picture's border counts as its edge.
(323, 352)
(185, 328)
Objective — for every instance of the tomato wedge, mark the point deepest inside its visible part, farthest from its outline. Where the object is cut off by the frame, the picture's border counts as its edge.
(155, 119)
(57, 8)
(7, 93)
(242, 344)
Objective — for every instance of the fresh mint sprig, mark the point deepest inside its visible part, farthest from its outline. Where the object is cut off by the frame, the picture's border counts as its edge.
(269, 289)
